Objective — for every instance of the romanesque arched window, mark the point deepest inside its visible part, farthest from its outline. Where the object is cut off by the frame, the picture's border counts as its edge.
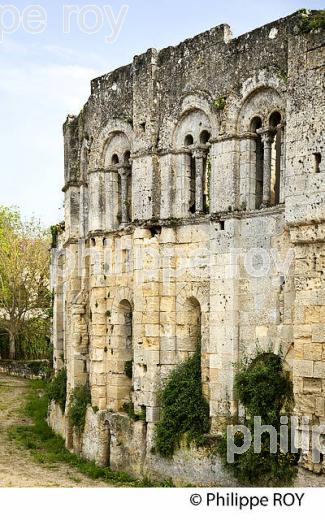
(204, 140)
(189, 333)
(190, 169)
(128, 188)
(193, 163)
(261, 129)
(118, 185)
(257, 161)
(276, 130)
(188, 141)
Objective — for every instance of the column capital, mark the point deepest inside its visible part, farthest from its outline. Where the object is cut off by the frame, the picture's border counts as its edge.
(200, 153)
(124, 169)
(267, 135)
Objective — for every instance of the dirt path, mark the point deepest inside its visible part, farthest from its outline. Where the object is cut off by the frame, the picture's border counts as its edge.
(17, 467)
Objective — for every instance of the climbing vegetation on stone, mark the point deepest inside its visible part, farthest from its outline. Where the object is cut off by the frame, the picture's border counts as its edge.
(312, 21)
(220, 103)
(265, 390)
(57, 390)
(80, 400)
(184, 412)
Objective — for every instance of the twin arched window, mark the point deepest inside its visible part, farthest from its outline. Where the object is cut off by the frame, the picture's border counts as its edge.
(118, 183)
(267, 159)
(198, 168)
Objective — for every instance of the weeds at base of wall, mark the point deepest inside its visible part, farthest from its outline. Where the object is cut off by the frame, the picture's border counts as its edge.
(57, 389)
(265, 390)
(80, 399)
(184, 410)
(48, 448)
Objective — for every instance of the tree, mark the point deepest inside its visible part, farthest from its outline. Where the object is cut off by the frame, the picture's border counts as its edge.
(24, 277)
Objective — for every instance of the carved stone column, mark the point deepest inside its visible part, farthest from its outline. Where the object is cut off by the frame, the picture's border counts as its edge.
(124, 171)
(267, 139)
(199, 156)
(282, 163)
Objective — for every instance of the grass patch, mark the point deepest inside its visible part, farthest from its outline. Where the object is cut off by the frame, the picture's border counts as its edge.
(48, 448)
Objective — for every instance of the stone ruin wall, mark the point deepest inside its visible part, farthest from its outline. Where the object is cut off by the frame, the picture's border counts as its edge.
(170, 247)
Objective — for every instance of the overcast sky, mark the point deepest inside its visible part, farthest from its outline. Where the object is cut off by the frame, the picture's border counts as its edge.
(46, 75)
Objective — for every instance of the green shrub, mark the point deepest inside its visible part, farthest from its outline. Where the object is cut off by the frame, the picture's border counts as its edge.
(57, 390)
(265, 390)
(184, 410)
(80, 400)
(312, 21)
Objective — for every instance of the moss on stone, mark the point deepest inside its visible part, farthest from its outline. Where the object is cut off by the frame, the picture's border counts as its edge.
(220, 103)
(312, 21)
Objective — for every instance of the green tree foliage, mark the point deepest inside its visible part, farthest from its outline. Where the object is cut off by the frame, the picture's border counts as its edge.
(24, 280)
(184, 410)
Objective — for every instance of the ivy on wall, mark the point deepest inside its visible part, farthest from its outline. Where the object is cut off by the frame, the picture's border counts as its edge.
(184, 411)
(57, 390)
(80, 400)
(265, 390)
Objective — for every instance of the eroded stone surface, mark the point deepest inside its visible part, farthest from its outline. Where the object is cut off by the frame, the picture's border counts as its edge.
(194, 211)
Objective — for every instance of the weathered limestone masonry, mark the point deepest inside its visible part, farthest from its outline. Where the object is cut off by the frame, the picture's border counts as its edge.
(194, 213)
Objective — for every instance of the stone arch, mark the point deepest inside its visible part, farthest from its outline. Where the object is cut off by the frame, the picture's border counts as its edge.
(198, 291)
(116, 147)
(261, 102)
(189, 102)
(263, 80)
(262, 147)
(100, 141)
(123, 293)
(192, 327)
(115, 160)
(193, 122)
(190, 141)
